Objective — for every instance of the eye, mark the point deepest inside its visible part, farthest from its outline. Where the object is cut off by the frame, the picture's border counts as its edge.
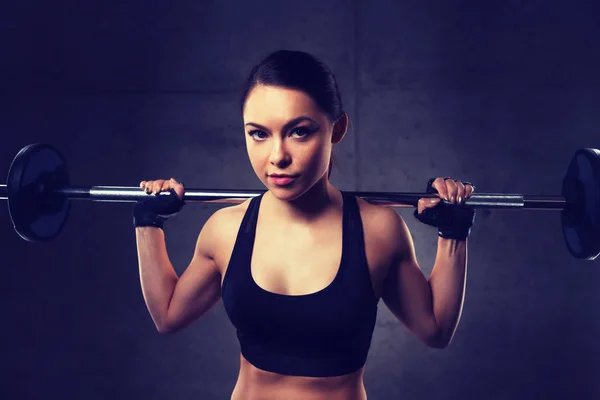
(301, 131)
(258, 135)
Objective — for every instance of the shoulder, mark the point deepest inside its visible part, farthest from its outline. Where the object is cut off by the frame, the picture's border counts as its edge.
(222, 226)
(384, 228)
(227, 218)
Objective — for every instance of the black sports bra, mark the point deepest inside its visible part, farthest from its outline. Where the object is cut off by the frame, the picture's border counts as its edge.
(322, 334)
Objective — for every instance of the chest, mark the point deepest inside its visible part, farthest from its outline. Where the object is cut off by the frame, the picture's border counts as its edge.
(302, 260)
(296, 261)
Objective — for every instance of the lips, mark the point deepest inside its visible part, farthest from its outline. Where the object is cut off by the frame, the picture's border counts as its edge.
(282, 180)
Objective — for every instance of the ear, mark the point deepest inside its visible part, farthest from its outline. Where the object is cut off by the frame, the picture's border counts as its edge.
(339, 128)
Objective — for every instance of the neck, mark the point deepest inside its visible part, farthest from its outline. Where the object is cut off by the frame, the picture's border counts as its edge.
(310, 205)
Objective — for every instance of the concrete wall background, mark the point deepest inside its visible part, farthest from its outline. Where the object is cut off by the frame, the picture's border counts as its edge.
(498, 93)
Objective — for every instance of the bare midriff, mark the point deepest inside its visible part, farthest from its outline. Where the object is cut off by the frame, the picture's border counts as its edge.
(255, 384)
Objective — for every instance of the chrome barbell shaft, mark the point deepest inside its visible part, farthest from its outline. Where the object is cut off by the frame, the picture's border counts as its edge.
(392, 199)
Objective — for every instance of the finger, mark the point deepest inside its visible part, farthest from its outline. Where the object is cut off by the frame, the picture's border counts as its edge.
(178, 187)
(469, 191)
(163, 186)
(156, 186)
(166, 186)
(147, 186)
(427, 203)
(452, 190)
(460, 192)
(175, 184)
(440, 186)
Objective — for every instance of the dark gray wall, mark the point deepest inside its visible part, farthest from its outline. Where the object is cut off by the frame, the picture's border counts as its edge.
(498, 93)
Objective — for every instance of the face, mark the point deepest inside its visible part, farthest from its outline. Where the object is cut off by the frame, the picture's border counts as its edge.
(288, 139)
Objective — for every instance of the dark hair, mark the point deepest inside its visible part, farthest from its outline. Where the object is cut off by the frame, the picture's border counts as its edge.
(301, 71)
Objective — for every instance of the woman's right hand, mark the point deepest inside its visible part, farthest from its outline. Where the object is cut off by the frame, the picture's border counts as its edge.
(155, 210)
(162, 185)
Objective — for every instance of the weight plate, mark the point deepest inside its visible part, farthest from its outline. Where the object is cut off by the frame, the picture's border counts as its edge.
(581, 216)
(37, 213)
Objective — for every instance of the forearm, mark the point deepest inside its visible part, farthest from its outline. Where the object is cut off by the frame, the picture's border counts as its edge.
(447, 283)
(157, 276)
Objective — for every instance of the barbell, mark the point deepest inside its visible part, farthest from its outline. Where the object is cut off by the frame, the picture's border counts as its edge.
(39, 195)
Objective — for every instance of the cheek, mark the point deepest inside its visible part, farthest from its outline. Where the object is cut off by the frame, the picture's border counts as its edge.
(322, 148)
(317, 154)
(256, 154)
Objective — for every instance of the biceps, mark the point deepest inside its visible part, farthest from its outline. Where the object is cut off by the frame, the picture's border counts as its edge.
(407, 294)
(197, 291)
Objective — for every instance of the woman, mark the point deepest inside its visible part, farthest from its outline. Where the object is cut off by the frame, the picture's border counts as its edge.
(301, 268)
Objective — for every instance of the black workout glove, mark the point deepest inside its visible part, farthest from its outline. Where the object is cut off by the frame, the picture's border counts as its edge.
(156, 209)
(453, 221)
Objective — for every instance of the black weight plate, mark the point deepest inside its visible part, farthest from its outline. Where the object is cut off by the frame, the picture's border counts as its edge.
(581, 216)
(38, 214)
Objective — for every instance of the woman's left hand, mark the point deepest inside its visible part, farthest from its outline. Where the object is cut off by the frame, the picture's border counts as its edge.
(453, 191)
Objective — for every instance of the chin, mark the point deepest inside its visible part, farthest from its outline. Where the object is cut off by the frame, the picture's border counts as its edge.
(283, 193)
(290, 193)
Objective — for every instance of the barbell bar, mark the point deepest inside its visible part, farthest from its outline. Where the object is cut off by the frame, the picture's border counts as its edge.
(124, 194)
(39, 195)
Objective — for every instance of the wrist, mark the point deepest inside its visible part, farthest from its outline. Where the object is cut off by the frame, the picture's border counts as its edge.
(148, 220)
(454, 233)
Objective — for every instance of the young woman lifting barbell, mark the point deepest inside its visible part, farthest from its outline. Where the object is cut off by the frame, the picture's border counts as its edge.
(301, 269)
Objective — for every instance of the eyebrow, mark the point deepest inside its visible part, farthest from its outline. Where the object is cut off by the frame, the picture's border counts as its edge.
(287, 126)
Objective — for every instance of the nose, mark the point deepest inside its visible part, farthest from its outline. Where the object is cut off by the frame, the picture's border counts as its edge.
(279, 155)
